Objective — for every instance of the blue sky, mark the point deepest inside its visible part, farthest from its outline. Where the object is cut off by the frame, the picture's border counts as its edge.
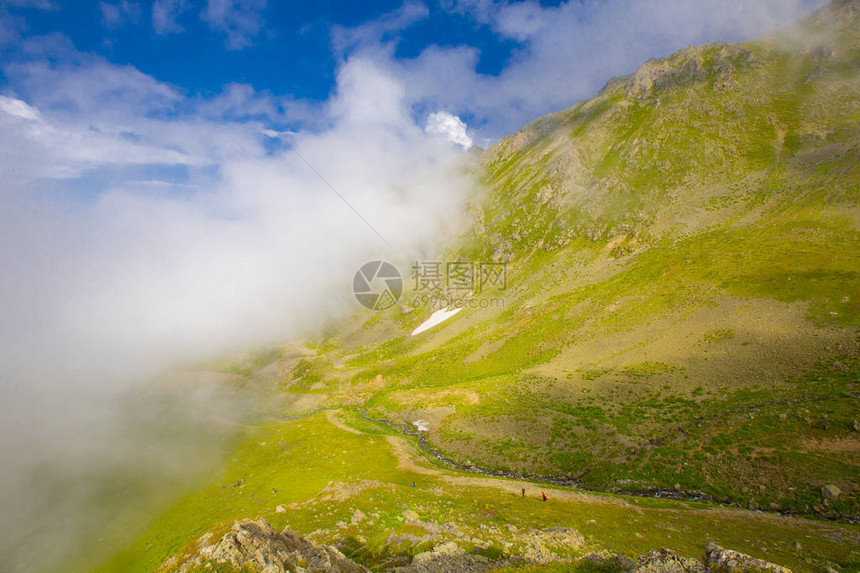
(133, 94)
(523, 58)
(290, 49)
(283, 47)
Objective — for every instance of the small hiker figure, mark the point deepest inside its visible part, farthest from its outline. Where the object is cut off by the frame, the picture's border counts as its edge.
(524, 492)
(413, 485)
(544, 495)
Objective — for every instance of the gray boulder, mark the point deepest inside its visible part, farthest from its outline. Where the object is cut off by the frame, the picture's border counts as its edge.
(721, 560)
(256, 546)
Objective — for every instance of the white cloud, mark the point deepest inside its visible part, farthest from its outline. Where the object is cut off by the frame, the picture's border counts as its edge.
(36, 4)
(116, 268)
(523, 20)
(480, 10)
(369, 94)
(450, 127)
(239, 20)
(253, 214)
(166, 14)
(201, 272)
(379, 30)
(118, 14)
(86, 85)
(18, 108)
(567, 52)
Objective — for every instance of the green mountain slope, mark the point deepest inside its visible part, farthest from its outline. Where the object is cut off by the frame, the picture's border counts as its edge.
(683, 288)
(680, 318)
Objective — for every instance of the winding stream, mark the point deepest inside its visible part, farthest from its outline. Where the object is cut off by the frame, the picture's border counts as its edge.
(406, 430)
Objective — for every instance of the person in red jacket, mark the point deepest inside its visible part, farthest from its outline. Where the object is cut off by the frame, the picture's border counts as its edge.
(544, 495)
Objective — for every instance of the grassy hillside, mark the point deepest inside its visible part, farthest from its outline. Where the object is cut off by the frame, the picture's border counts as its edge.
(344, 481)
(681, 317)
(683, 292)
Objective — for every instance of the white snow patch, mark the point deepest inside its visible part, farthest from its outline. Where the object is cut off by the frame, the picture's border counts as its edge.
(437, 317)
(421, 425)
(449, 126)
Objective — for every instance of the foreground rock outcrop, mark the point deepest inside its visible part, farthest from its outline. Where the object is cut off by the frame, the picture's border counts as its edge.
(256, 546)
(666, 561)
(447, 558)
(721, 560)
(717, 560)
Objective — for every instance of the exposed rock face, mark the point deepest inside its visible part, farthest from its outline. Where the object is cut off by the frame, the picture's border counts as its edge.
(447, 555)
(538, 545)
(255, 545)
(721, 560)
(666, 561)
(718, 560)
(688, 65)
(658, 74)
(838, 12)
(445, 558)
